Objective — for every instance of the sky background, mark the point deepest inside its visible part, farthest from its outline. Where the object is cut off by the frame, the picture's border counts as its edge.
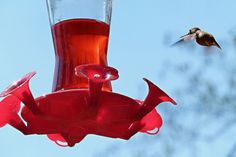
(140, 34)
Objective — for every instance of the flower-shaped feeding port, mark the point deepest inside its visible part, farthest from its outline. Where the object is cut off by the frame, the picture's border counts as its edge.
(67, 116)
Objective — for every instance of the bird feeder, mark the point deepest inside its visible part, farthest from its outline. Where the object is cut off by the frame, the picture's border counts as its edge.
(82, 101)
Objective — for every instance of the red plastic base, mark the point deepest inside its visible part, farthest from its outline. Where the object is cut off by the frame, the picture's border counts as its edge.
(68, 116)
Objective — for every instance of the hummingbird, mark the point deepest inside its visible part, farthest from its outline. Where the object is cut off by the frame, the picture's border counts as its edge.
(201, 37)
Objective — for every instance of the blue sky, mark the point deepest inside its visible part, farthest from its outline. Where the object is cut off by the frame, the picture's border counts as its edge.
(136, 49)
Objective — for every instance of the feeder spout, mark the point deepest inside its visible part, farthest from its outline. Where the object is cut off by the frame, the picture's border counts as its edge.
(20, 89)
(97, 75)
(155, 96)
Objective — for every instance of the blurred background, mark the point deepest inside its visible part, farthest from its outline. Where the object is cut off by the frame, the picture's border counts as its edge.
(201, 80)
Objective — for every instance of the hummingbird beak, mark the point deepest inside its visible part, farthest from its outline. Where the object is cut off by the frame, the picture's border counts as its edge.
(185, 35)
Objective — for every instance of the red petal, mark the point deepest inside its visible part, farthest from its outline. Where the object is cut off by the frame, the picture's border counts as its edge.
(153, 123)
(58, 139)
(97, 73)
(155, 96)
(21, 90)
(17, 84)
(8, 107)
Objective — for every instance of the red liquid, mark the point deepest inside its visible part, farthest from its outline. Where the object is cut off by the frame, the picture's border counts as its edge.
(78, 41)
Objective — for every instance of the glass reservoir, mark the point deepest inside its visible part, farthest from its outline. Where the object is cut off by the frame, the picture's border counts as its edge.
(80, 31)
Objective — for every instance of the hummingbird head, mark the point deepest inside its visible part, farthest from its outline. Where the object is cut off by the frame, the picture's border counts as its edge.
(191, 31)
(194, 30)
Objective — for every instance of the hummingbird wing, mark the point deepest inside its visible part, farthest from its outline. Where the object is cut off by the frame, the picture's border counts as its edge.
(177, 42)
(185, 38)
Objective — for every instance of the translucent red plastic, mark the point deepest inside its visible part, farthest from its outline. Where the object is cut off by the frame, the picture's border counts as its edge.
(67, 116)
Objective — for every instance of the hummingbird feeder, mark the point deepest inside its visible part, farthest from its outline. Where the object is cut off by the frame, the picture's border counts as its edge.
(81, 101)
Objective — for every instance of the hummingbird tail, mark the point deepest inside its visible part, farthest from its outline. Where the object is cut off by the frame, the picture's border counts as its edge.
(217, 45)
